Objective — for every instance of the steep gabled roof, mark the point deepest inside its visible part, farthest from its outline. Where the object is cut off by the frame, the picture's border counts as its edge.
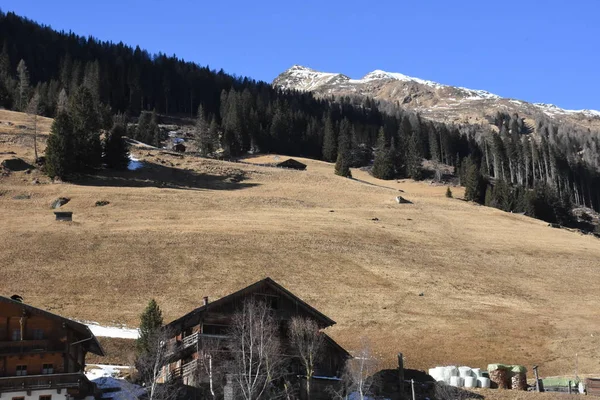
(93, 345)
(321, 319)
(336, 346)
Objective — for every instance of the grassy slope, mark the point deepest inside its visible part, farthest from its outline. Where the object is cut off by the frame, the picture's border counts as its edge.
(497, 287)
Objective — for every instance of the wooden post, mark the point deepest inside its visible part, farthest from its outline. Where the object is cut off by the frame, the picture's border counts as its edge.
(569, 387)
(412, 386)
(401, 374)
(537, 378)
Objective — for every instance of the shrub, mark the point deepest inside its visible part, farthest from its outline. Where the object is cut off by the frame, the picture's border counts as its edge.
(449, 193)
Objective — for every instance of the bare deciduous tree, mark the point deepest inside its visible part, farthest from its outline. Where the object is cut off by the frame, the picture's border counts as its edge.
(33, 109)
(256, 351)
(358, 378)
(150, 365)
(308, 342)
(210, 362)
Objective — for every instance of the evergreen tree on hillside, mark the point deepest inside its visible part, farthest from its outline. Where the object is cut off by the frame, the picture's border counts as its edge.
(204, 140)
(383, 165)
(59, 148)
(142, 129)
(329, 143)
(472, 181)
(6, 81)
(62, 102)
(116, 151)
(154, 133)
(23, 86)
(86, 128)
(342, 164)
(415, 158)
(151, 321)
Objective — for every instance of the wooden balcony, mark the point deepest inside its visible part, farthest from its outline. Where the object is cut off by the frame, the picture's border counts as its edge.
(190, 341)
(30, 346)
(72, 381)
(183, 371)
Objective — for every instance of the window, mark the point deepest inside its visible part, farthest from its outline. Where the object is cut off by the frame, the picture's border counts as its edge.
(16, 335)
(21, 370)
(270, 300)
(208, 329)
(46, 397)
(47, 369)
(18, 398)
(38, 334)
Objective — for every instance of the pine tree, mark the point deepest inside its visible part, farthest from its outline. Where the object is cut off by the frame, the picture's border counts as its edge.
(143, 127)
(59, 148)
(415, 157)
(383, 165)
(448, 193)
(473, 181)
(151, 321)
(116, 151)
(6, 80)
(329, 144)
(154, 133)
(86, 128)
(204, 141)
(62, 102)
(23, 86)
(342, 164)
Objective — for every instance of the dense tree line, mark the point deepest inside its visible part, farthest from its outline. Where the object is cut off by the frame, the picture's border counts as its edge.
(510, 164)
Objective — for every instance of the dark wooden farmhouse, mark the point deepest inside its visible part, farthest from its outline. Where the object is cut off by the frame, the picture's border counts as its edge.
(293, 164)
(42, 355)
(213, 320)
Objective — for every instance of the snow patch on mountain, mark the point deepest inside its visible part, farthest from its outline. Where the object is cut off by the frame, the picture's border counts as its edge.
(551, 109)
(379, 81)
(307, 79)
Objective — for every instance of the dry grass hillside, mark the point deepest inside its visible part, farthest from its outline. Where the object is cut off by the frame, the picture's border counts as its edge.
(496, 287)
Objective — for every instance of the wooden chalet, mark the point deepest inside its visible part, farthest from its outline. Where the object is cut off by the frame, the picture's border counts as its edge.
(42, 355)
(212, 321)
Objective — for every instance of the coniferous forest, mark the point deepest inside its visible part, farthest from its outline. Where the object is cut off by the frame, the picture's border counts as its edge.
(543, 171)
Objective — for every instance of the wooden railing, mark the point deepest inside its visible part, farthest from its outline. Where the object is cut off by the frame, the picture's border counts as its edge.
(184, 370)
(53, 381)
(190, 340)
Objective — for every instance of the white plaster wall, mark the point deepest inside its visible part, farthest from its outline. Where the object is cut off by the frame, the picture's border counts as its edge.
(35, 394)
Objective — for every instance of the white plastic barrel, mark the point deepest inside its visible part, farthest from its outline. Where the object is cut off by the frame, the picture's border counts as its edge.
(464, 371)
(456, 381)
(470, 382)
(483, 382)
(476, 372)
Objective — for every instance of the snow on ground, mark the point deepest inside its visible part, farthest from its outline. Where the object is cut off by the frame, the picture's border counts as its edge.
(134, 163)
(113, 331)
(106, 377)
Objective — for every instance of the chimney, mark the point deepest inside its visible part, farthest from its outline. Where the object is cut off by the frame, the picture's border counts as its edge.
(205, 300)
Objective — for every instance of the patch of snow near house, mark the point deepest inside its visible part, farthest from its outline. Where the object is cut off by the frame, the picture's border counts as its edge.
(113, 331)
(112, 387)
(134, 163)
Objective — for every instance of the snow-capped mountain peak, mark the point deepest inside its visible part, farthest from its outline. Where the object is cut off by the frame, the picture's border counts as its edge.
(435, 100)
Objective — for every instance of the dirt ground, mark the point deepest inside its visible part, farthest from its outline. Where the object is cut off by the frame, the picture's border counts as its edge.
(441, 280)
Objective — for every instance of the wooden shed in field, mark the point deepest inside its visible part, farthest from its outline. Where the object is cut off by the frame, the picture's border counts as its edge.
(293, 164)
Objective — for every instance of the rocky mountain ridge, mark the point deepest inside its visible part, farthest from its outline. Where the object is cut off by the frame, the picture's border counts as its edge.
(433, 100)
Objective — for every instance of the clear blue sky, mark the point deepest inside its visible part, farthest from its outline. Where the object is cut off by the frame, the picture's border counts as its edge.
(539, 51)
